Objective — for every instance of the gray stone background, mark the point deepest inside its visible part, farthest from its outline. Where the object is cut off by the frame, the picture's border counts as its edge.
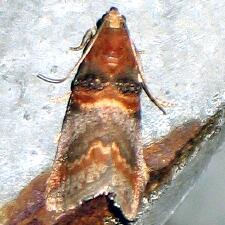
(183, 43)
(205, 204)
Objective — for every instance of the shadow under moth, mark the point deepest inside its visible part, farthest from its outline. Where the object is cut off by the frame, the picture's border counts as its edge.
(100, 161)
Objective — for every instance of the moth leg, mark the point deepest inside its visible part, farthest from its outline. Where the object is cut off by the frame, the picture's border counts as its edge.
(145, 88)
(141, 79)
(86, 39)
(164, 103)
(61, 99)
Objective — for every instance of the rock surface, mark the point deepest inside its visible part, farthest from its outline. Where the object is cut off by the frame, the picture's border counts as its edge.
(183, 60)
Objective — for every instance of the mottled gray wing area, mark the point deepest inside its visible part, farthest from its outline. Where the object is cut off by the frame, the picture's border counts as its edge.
(99, 152)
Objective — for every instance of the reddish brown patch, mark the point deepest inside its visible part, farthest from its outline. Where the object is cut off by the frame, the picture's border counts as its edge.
(84, 97)
(162, 155)
(112, 52)
(94, 211)
(29, 205)
(58, 175)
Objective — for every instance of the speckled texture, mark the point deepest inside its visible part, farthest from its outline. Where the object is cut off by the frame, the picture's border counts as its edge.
(183, 60)
(206, 201)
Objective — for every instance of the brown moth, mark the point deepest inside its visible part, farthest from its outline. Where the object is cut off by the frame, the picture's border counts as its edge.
(100, 151)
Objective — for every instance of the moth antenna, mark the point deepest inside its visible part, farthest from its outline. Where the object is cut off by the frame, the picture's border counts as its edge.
(145, 88)
(57, 81)
(51, 80)
(91, 40)
(86, 39)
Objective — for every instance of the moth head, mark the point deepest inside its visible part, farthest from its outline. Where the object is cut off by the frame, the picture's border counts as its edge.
(112, 19)
(115, 19)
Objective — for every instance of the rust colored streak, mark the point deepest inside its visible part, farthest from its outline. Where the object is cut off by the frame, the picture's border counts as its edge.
(57, 176)
(29, 208)
(123, 167)
(161, 154)
(112, 52)
(89, 98)
(97, 153)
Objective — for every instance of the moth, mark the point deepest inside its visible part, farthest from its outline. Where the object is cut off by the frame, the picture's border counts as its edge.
(100, 150)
